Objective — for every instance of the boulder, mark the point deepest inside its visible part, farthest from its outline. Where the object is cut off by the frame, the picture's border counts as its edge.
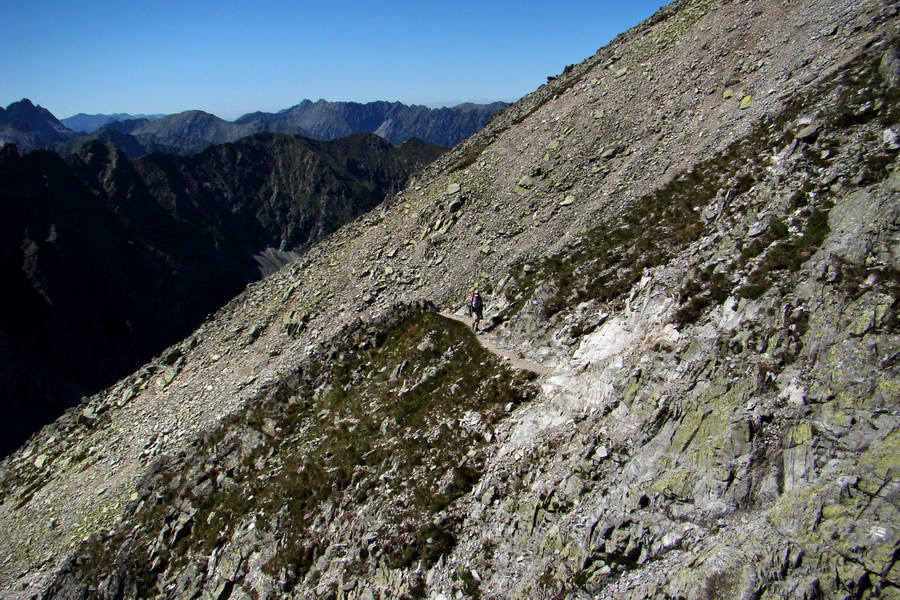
(809, 133)
(890, 140)
(889, 67)
(88, 417)
(525, 183)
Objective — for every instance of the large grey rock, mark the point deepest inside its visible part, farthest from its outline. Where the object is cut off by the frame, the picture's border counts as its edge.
(889, 68)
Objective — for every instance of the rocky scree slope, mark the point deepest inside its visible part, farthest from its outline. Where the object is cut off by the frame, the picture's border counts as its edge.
(106, 261)
(720, 311)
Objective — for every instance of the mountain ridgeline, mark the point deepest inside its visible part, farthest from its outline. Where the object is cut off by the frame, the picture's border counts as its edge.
(91, 123)
(29, 126)
(104, 261)
(687, 384)
(393, 121)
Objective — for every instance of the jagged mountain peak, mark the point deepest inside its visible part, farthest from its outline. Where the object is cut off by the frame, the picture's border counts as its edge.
(33, 117)
(694, 230)
(26, 108)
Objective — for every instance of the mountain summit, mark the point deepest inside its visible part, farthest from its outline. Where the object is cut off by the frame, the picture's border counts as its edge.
(689, 244)
(29, 126)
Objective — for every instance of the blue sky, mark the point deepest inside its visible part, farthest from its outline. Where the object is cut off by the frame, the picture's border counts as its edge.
(229, 58)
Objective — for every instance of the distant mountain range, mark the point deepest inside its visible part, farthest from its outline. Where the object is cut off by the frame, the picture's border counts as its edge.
(393, 121)
(29, 126)
(91, 123)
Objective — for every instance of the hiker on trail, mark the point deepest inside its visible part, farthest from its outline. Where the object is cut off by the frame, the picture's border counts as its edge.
(476, 308)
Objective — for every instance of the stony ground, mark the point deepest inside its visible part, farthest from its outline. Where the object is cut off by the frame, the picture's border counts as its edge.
(696, 229)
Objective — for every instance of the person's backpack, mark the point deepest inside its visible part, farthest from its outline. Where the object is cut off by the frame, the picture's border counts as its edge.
(476, 302)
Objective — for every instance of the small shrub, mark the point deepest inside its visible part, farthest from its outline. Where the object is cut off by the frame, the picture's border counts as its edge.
(753, 292)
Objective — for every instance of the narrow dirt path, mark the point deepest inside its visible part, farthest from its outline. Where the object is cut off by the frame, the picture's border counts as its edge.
(490, 346)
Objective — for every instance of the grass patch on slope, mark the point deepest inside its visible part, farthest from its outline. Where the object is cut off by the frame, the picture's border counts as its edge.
(390, 424)
(609, 259)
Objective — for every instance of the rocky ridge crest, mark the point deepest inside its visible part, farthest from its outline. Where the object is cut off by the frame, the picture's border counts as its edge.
(696, 228)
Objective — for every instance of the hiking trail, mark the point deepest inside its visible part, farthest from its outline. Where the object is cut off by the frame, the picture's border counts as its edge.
(485, 340)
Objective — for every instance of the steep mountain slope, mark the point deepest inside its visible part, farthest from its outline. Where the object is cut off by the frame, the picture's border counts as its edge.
(697, 229)
(105, 262)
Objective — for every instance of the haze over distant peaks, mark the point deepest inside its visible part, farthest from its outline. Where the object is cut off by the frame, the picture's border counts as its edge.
(91, 123)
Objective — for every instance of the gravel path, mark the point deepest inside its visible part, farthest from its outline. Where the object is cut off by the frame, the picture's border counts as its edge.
(487, 342)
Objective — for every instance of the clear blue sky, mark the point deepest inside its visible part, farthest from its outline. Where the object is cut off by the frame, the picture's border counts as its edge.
(229, 58)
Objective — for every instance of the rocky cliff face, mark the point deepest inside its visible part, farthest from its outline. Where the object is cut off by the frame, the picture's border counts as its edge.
(695, 231)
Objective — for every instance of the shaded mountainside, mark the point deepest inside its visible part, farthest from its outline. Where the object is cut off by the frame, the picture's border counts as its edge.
(106, 262)
(696, 231)
(30, 127)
